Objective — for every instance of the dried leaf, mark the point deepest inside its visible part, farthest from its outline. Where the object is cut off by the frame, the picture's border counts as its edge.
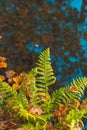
(50, 126)
(57, 113)
(10, 73)
(17, 79)
(73, 89)
(10, 80)
(63, 108)
(76, 103)
(36, 110)
(83, 105)
(3, 64)
(2, 77)
(15, 86)
(3, 59)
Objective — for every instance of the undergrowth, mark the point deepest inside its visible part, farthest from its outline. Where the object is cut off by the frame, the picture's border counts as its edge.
(25, 100)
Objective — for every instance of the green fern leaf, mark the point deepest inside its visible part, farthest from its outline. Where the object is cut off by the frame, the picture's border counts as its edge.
(45, 75)
(63, 95)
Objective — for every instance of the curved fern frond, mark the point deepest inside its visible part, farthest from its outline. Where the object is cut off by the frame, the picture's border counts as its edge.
(81, 84)
(45, 75)
(64, 95)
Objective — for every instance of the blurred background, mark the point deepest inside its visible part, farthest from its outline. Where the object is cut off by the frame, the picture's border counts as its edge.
(27, 27)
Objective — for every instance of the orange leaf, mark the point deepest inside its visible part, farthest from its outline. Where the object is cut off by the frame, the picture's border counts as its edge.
(2, 77)
(16, 86)
(76, 103)
(57, 113)
(17, 79)
(73, 89)
(63, 108)
(83, 105)
(2, 58)
(3, 64)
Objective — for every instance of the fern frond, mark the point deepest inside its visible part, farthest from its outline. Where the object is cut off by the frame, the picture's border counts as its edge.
(23, 99)
(6, 90)
(28, 87)
(45, 75)
(63, 95)
(11, 99)
(25, 114)
(42, 119)
(76, 115)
